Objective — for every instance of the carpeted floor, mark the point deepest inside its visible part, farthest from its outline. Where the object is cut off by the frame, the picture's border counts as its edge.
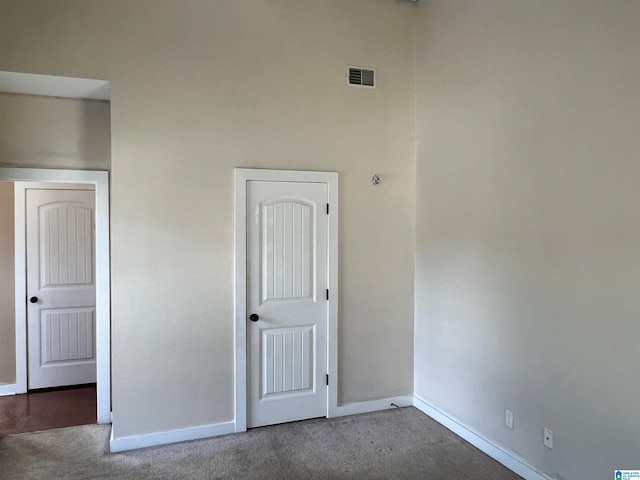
(393, 444)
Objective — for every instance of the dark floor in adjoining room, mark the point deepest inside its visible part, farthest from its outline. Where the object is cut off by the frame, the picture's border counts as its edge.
(45, 410)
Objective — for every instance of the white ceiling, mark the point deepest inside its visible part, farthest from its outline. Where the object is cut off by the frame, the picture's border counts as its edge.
(51, 86)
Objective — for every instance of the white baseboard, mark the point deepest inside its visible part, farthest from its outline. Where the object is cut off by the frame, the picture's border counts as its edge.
(161, 438)
(7, 389)
(371, 406)
(509, 459)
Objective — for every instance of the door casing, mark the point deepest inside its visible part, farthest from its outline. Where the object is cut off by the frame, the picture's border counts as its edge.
(241, 177)
(100, 181)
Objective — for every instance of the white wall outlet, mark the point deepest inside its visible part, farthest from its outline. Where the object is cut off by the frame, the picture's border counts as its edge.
(508, 418)
(548, 438)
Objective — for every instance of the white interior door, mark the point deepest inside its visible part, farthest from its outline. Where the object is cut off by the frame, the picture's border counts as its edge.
(61, 291)
(286, 301)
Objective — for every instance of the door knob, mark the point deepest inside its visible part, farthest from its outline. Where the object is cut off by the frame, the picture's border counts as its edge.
(33, 299)
(254, 317)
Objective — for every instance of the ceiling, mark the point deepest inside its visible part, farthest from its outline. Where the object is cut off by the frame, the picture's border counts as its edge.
(50, 86)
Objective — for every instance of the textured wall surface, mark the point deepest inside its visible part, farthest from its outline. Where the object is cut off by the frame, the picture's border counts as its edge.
(7, 281)
(51, 132)
(528, 231)
(201, 87)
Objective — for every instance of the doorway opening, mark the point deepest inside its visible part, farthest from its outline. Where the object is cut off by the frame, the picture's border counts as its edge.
(77, 318)
(53, 229)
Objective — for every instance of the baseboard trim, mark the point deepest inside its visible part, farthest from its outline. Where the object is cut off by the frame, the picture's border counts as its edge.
(356, 408)
(173, 436)
(7, 389)
(509, 459)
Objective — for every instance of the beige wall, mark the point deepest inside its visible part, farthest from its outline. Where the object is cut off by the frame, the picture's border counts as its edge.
(49, 132)
(7, 280)
(528, 233)
(201, 87)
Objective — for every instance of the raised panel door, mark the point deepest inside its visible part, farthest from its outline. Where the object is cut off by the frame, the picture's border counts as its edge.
(286, 285)
(61, 287)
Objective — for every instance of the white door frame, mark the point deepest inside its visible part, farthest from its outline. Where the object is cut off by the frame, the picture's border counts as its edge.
(241, 177)
(100, 180)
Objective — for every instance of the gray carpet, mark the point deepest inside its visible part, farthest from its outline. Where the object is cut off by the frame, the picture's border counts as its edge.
(394, 444)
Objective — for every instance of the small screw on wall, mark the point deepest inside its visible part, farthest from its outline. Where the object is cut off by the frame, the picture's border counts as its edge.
(375, 180)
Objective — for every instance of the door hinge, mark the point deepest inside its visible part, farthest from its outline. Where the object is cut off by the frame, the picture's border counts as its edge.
(327, 379)
(327, 294)
(327, 209)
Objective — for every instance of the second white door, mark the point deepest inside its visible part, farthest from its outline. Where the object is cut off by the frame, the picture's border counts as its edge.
(286, 301)
(60, 287)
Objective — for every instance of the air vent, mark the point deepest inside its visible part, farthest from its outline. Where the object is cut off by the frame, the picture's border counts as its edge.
(362, 77)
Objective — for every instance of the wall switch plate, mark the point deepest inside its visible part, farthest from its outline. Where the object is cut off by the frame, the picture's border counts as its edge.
(508, 418)
(548, 438)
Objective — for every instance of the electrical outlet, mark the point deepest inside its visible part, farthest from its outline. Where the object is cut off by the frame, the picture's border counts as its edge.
(548, 438)
(508, 418)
